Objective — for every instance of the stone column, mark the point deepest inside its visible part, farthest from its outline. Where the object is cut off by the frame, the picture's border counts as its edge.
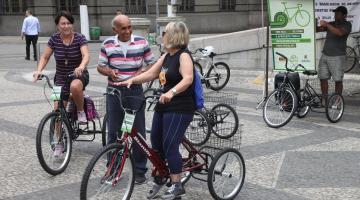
(140, 26)
(163, 21)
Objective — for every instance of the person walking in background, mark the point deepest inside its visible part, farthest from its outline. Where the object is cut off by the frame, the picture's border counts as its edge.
(121, 57)
(30, 30)
(119, 12)
(332, 60)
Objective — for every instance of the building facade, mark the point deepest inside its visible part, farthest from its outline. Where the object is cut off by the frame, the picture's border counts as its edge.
(202, 16)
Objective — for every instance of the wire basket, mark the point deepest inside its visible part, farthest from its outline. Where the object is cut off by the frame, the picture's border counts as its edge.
(212, 98)
(215, 144)
(100, 105)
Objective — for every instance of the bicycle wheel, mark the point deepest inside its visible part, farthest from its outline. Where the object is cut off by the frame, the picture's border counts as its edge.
(186, 159)
(198, 68)
(218, 76)
(335, 108)
(302, 18)
(226, 121)
(303, 107)
(104, 130)
(149, 108)
(226, 174)
(199, 129)
(350, 59)
(279, 107)
(109, 175)
(51, 125)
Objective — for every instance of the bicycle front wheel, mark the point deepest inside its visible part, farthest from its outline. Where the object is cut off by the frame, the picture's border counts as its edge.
(279, 107)
(109, 175)
(226, 174)
(53, 132)
(199, 129)
(350, 59)
(104, 130)
(303, 107)
(218, 76)
(226, 121)
(335, 108)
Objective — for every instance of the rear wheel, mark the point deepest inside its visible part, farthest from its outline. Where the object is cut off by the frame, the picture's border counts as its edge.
(218, 76)
(109, 175)
(52, 132)
(199, 129)
(350, 59)
(279, 107)
(335, 108)
(226, 121)
(303, 107)
(226, 174)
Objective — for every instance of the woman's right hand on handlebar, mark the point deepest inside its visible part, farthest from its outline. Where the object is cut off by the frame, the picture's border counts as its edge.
(36, 75)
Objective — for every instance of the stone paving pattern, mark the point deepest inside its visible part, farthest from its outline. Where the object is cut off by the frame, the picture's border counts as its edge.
(307, 159)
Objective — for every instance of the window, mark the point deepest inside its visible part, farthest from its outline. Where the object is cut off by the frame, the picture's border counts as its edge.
(15, 6)
(135, 6)
(68, 5)
(187, 6)
(227, 5)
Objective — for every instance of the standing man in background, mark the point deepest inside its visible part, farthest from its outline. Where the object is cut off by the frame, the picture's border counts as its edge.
(30, 29)
(331, 64)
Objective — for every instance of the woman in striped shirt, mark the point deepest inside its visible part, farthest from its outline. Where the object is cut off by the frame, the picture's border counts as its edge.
(72, 56)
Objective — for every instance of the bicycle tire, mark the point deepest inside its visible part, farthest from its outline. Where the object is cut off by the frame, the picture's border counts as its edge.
(335, 108)
(48, 141)
(186, 175)
(104, 130)
(218, 76)
(303, 14)
(285, 101)
(303, 109)
(216, 174)
(104, 173)
(350, 59)
(231, 127)
(199, 129)
(198, 67)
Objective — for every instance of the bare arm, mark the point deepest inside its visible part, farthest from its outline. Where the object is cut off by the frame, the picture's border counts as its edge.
(43, 62)
(341, 31)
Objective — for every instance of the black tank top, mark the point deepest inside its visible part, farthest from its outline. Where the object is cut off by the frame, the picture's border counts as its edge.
(182, 102)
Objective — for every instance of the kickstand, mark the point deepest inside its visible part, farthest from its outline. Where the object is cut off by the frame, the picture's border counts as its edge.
(260, 104)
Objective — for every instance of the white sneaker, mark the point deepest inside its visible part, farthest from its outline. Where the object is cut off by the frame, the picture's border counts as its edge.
(81, 117)
(59, 149)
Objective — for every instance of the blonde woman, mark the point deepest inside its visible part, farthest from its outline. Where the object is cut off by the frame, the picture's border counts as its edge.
(176, 106)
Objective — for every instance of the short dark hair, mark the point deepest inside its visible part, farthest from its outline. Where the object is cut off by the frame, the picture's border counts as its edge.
(65, 14)
(29, 11)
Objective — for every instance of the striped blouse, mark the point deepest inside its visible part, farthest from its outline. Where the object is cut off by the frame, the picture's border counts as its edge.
(67, 57)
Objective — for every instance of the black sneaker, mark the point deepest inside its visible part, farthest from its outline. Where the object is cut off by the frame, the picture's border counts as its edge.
(176, 191)
(140, 179)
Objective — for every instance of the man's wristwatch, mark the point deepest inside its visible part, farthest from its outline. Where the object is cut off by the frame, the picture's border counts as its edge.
(174, 91)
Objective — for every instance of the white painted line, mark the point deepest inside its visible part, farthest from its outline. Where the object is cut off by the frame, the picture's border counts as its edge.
(277, 172)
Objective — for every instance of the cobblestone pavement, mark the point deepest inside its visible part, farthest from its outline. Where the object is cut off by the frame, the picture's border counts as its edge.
(307, 159)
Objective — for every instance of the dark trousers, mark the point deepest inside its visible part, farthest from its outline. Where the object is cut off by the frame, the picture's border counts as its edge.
(115, 118)
(167, 132)
(31, 39)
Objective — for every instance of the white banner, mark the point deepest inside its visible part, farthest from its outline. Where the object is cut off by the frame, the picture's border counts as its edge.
(324, 11)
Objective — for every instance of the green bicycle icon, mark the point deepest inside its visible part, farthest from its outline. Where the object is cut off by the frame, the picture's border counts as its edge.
(281, 19)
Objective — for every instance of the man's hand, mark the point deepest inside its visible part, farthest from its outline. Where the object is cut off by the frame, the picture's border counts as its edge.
(324, 23)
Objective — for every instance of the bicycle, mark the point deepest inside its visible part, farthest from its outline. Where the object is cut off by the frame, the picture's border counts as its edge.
(352, 55)
(302, 17)
(63, 122)
(216, 75)
(110, 173)
(281, 105)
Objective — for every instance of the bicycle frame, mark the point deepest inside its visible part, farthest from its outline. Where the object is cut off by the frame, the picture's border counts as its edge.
(291, 8)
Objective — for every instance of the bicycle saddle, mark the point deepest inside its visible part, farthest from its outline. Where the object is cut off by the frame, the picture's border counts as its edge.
(310, 72)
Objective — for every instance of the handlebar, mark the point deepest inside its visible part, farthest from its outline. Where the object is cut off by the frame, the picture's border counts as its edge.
(116, 92)
(286, 63)
(199, 49)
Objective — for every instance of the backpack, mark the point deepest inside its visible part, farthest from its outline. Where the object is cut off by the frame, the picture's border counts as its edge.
(198, 91)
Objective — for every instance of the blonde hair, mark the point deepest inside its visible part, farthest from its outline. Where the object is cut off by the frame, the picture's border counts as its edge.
(177, 35)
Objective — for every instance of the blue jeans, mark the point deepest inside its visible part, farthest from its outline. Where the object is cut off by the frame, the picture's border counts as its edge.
(167, 132)
(115, 118)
